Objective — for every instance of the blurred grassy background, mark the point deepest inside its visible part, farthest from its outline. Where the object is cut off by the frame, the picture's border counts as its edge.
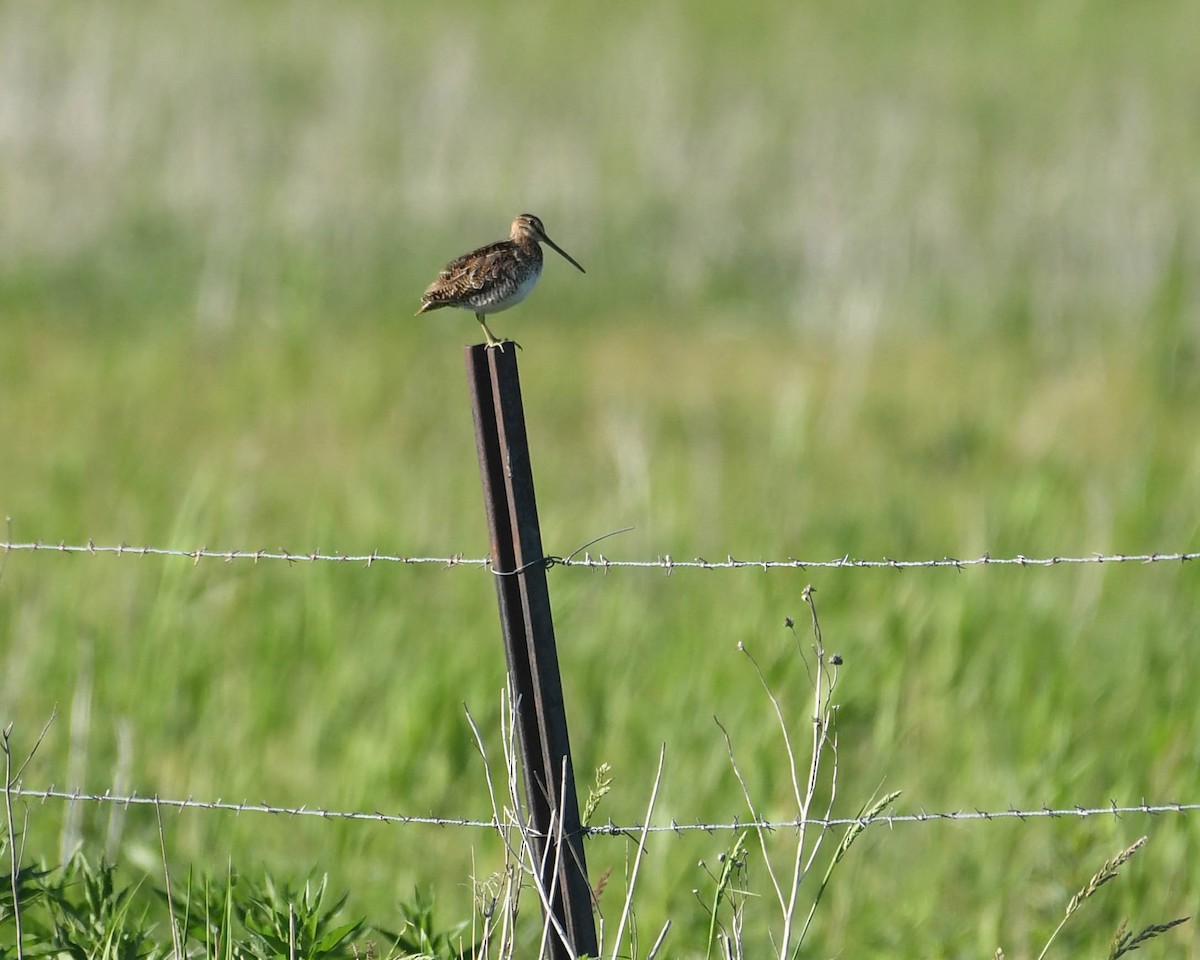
(868, 278)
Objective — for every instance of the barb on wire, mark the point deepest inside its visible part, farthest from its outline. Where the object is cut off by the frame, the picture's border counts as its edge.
(666, 562)
(1112, 809)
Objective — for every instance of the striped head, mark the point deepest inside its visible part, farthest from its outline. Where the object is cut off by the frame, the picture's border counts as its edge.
(527, 228)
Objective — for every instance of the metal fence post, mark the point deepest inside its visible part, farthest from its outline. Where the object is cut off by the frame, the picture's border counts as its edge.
(530, 650)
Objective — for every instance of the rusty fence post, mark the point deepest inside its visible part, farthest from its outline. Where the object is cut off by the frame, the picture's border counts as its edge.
(530, 650)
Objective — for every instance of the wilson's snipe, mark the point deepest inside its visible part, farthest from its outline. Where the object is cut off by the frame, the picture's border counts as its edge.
(495, 277)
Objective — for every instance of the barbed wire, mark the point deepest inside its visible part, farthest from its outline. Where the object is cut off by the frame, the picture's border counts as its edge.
(228, 556)
(1112, 809)
(667, 563)
(246, 806)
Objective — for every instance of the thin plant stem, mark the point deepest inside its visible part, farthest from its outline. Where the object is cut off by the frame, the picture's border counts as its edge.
(758, 819)
(15, 852)
(487, 767)
(1106, 872)
(803, 798)
(551, 919)
(502, 823)
(637, 860)
(162, 843)
(823, 680)
(659, 942)
(864, 819)
(13, 856)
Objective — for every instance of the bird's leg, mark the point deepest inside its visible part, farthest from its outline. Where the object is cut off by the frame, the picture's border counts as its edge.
(492, 339)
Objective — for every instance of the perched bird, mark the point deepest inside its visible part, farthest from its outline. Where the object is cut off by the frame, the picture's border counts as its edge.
(495, 277)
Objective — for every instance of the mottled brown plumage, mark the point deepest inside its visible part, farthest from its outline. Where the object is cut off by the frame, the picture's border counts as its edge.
(495, 277)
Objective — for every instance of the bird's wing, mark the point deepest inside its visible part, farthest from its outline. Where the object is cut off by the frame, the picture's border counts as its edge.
(468, 274)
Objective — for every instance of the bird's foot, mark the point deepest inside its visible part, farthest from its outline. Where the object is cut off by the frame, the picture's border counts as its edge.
(499, 344)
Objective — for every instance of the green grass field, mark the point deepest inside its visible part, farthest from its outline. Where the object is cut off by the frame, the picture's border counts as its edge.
(870, 279)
